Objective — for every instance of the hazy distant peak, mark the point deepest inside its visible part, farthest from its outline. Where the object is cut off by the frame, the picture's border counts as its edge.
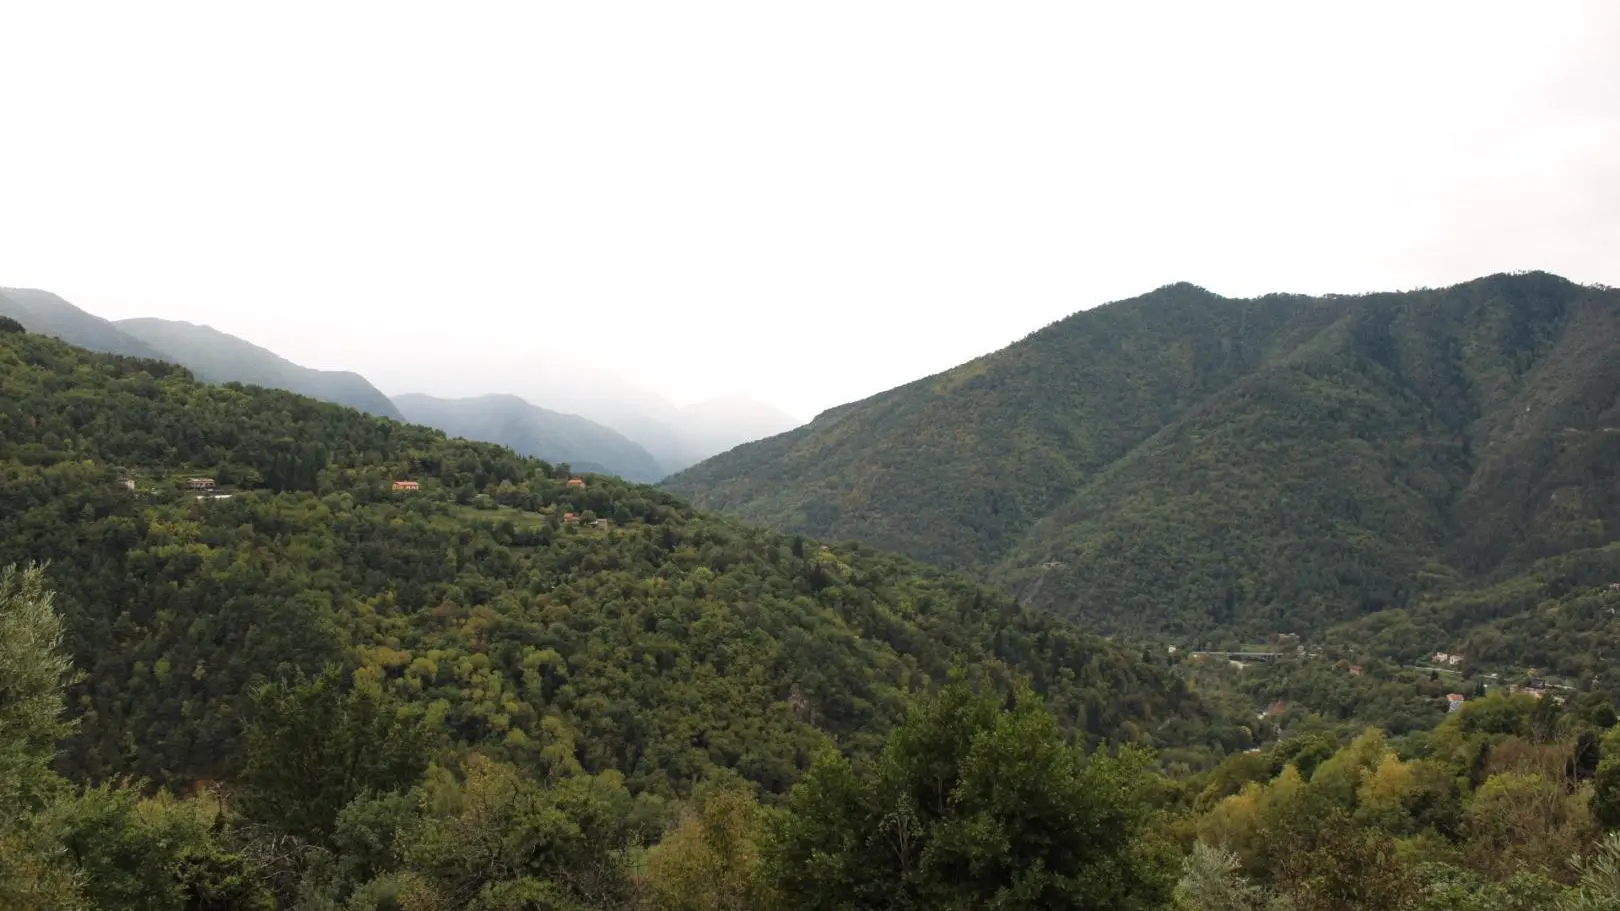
(220, 357)
(531, 430)
(48, 314)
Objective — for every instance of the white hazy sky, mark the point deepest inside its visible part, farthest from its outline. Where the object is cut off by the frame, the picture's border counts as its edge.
(806, 202)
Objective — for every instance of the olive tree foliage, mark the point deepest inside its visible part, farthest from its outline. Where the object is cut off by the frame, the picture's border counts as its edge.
(34, 672)
(1212, 880)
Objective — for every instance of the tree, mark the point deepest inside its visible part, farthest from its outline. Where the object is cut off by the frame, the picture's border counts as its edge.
(1211, 881)
(711, 860)
(153, 854)
(496, 840)
(33, 675)
(971, 806)
(313, 747)
(1599, 884)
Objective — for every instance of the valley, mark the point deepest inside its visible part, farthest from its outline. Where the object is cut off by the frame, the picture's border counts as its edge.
(1315, 568)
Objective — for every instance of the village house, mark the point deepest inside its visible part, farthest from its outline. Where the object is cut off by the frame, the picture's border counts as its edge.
(1355, 670)
(406, 485)
(603, 523)
(1535, 691)
(576, 482)
(200, 483)
(1446, 659)
(569, 518)
(1454, 701)
(129, 483)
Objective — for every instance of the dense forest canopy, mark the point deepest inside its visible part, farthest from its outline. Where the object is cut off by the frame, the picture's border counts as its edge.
(540, 613)
(1186, 465)
(974, 800)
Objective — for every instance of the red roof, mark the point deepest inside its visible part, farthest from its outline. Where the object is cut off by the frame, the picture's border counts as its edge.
(576, 482)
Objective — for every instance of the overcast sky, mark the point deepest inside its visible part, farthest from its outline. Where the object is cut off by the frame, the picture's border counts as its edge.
(807, 202)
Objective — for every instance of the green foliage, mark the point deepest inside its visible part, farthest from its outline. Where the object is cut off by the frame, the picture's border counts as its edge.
(33, 672)
(970, 806)
(495, 839)
(667, 644)
(1211, 881)
(153, 855)
(34, 873)
(1488, 818)
(712, 859)
(313, 748)
(1599, 884)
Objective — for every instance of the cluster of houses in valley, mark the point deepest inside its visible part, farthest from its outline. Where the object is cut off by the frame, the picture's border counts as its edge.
(1446, 662)
(569, 518)
(416, 485)
(201, 488)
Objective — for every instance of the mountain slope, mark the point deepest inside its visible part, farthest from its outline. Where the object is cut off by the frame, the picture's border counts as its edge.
(1185, 463)
(45, 313)
(533, 431)
(664, 643)
(955, 467)
(218, 357)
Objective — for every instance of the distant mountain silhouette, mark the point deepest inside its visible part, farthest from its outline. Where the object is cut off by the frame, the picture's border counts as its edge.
(46, 314)
(218, 357)
(533, 431)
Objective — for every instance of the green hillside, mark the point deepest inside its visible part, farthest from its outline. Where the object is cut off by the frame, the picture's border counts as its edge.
(1187, 464)
(515, 688)
(533, 431)
(217, 357)
(636, 635)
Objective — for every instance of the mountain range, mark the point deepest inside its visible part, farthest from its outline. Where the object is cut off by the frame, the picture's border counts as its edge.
(216, 357)
(596, 422)
(213, 356)
(1190, 465)
(367, 665)
(534, 431)
(540, 609)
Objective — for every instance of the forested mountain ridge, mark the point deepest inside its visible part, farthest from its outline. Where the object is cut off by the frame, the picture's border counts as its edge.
(534, 431)
(509, 687)
(545, 618)
(1185, 463)
(218, 357)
